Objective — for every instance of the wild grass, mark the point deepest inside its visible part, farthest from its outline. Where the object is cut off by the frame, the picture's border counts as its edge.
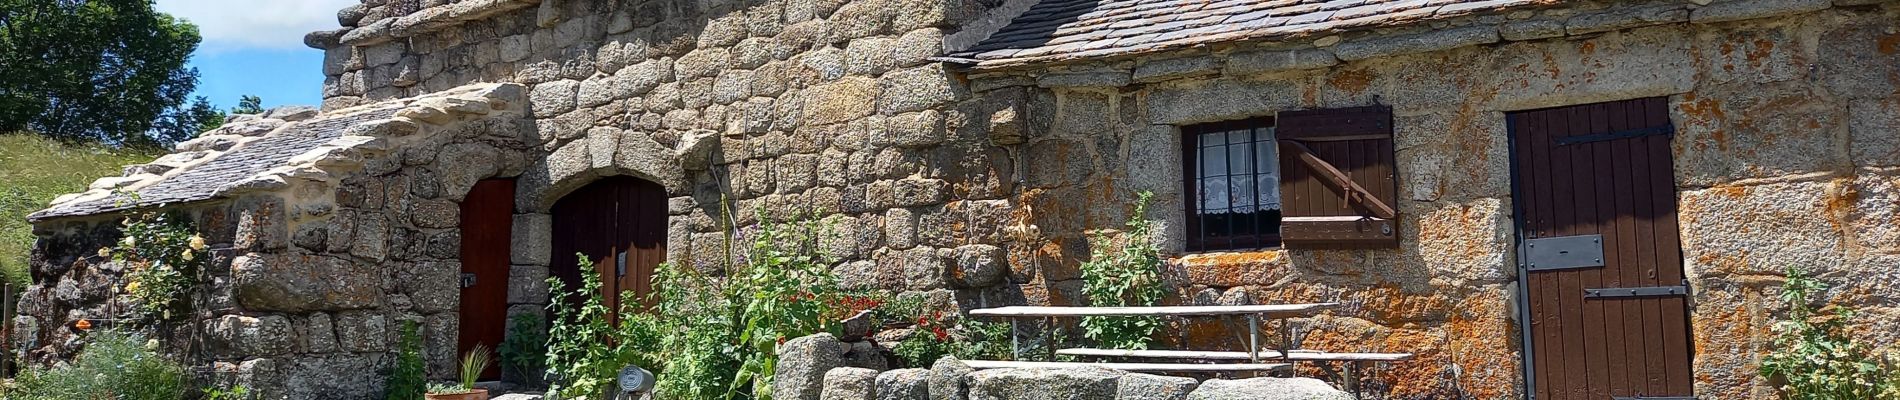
(34, 170)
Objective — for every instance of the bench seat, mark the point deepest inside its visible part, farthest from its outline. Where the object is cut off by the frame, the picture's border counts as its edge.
(1150, 367)
(1297, 355)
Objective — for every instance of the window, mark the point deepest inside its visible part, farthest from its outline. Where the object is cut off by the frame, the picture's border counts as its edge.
(1307, 179)
(1233, 179)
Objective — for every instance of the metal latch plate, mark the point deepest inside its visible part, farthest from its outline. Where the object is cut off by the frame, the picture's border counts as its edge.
(1563, 252)
(1651, 291)
(468, 280)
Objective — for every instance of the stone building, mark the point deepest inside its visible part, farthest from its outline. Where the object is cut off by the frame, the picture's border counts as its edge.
(969, 151)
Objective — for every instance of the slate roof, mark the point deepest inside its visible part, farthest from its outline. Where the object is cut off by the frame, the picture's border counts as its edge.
(1056, 30)
(201, 182)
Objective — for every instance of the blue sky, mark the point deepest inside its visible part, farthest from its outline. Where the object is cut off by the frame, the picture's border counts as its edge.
(256, 47)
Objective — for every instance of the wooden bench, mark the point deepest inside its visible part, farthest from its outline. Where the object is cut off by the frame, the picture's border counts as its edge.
(1295, 355)
(1148, 367)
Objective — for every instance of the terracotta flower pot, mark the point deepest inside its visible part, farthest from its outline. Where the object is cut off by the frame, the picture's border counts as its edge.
(477, 394)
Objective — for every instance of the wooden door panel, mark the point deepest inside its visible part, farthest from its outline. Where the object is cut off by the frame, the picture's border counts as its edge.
(487, 224)
(619, 223)
(1602, 169)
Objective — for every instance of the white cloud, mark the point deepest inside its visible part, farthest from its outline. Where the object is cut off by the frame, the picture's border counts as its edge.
(271, 24)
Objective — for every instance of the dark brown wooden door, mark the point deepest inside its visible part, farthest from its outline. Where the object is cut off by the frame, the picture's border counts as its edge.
(487, 225)
(1615, 325)
(620, 224)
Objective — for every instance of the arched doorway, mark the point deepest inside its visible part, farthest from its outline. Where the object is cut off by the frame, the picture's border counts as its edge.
(619, 223)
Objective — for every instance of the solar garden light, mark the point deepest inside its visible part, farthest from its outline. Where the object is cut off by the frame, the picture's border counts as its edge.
(634, 382)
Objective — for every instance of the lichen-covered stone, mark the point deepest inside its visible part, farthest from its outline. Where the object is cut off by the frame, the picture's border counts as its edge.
(803, 364)
(847, 383)
(1044, 383)
(1276, 388)
(1154, 387)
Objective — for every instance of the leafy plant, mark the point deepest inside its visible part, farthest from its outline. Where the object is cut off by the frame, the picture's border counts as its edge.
(966, 339)
(445, 388)
(1814, 355)
(709, 338)
(234, 393)
(477, 360)
(115, 365)
(1129, 277)
(163, 253)
(524, 352)
(406, 381)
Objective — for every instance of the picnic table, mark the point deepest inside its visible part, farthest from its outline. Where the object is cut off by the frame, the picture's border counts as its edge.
(1285, 355)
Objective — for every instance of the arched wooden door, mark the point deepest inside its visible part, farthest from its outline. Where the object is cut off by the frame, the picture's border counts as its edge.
(620, 224)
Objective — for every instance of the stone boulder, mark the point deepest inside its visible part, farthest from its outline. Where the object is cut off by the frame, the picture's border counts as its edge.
(1267, 388)
(849, 383)
(947, 379)
(802, 364)
(1154, 387)
(1044, 383)
(904, 384)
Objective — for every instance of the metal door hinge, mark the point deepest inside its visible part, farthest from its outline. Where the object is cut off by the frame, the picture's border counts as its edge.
(1651, 291)
(1563, 252)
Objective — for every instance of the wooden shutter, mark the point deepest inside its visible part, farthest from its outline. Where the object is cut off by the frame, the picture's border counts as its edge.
(1338, 184)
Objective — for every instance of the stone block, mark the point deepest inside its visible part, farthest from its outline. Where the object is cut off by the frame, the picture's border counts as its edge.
(532, 238)
(235, 336)
(553, 98)
(947, 379)
(1262, 388)
(922, 268)
(1045, 383)
(1757, 132)
(1154, 387)
(840, 101)
(1626, 17)
(849, 383)
(318, 334)
(703, 63)
(1175, 68)
(1436, 40)
(916, 89)
(977, 265)
(803, 365)
(900, 228)
(1859, 60)
(1104, 78)
(352, 376)
(1531, 30)
(261, 224)
(361, 331)
(1724, 229)
(1875, 126)
(270, 282)
(1736, 10)
(869, 56)
(1190, 102)
(904, 384)
(1655, 62)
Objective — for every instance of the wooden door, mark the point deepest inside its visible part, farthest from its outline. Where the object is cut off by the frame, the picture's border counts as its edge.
(1614, 324)
(487, 225)
(619, 223)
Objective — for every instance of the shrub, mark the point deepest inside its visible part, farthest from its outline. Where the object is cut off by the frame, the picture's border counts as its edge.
(964, 338)
(708, 338)
(163, 253)
(406, 380)
(114, 365)
(524, 352)
(1129, 277)
(1816, 358)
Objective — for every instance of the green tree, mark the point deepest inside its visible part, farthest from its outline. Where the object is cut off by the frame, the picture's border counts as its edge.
(248, 104)
(105, 70)
(185, 122)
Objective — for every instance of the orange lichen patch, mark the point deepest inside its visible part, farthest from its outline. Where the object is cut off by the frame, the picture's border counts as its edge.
(1353, 80)
(1842, 195)
(1888, 44)
(1731, 332)
(1232, 269)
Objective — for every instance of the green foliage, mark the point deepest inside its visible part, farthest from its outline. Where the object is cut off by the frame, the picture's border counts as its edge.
(445, 388)
(93, 70)
(477, 360)
(248, 104)
(578, 350)
(1129, 277)
(35, 171)
(524, 352)
(114, 365)
(234, 393)
(706, 338)
(1815, 356)
(162, 251)
(406, 380)
(189, 121)
(964, 338)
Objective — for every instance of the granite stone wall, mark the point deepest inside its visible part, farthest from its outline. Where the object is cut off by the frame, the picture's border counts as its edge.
(976, 188)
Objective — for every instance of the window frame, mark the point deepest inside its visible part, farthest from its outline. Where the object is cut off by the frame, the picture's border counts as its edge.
(1197, 241)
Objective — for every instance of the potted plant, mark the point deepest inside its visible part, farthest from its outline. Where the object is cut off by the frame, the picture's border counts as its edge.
(473, 364)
